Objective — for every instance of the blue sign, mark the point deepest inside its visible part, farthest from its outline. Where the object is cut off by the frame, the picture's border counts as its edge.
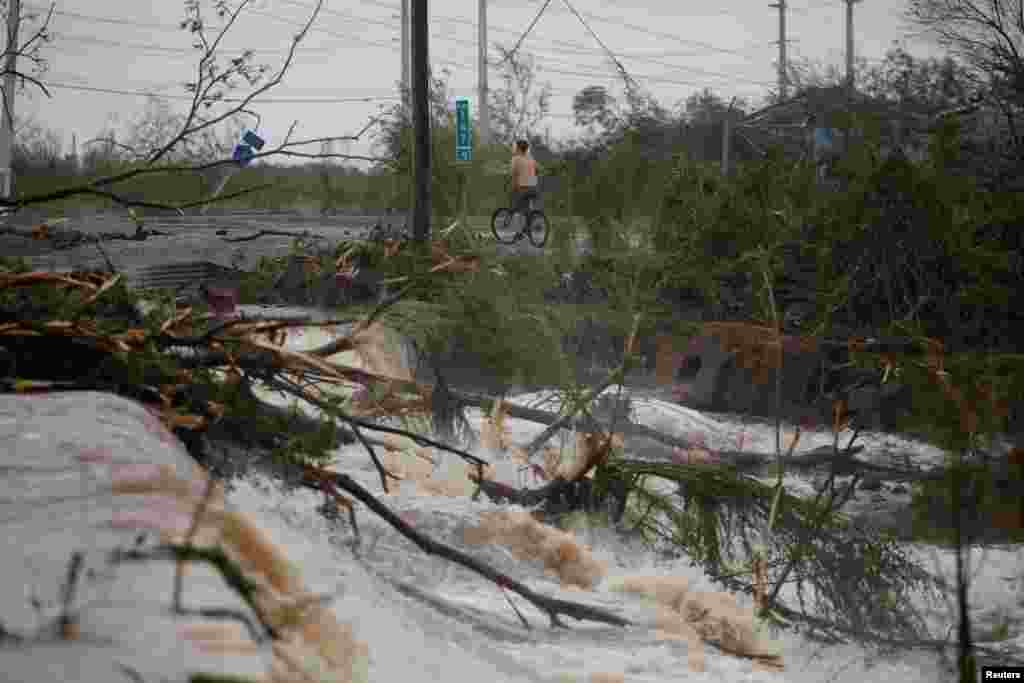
(250, 138)
(243, 154)
(463, 136)
(823, 138)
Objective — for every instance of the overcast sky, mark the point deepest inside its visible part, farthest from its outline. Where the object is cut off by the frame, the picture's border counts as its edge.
(672, 48)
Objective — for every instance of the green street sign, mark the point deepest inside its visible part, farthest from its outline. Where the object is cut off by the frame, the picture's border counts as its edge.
(463, 136)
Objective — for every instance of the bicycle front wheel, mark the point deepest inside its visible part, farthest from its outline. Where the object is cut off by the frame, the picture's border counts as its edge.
(537, 229)
(503, 226)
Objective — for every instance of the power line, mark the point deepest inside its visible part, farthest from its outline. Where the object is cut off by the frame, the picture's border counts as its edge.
(364, 41)
(580, 48)
(294, 100)
(168, 49)
(462, 65)
(667, 36)
(106, 20)
(348, 37)
(464, 20)
(637, 58)
(185, 52)
(611, 55)
(78, 79)
(529, 28)
(297, 100)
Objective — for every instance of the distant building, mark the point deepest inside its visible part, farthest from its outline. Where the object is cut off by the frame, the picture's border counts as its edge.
(816, 124)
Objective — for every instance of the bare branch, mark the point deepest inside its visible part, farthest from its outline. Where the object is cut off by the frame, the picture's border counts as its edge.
(41, 35)
(199, 90)
(100, 186)
(188, 128)
(26, 50)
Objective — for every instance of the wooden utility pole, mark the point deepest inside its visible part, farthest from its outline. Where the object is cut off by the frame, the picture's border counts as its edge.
(405, 54)
(7, 116)
(725, 146)
(484, 116)
(420, 122)
(849, 46)
(783, 65)
(727, 138)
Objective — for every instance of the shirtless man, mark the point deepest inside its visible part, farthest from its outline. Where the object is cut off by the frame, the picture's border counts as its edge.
(524, 177)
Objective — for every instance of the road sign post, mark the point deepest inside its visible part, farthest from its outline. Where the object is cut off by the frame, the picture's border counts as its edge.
(463, 131)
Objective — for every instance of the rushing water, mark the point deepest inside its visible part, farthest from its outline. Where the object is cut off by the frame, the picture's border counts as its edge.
(426, 619)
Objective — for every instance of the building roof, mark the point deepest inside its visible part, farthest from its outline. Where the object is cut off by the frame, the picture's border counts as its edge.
(821, 103)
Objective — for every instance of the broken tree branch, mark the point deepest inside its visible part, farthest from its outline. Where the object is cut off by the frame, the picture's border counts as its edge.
(553, 607)
(218, 559)
(356, 422)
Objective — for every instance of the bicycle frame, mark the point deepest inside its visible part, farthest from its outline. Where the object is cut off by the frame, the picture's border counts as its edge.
(531, 205)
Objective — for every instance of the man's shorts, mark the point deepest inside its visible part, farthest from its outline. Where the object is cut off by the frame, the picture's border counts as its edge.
(521, 199)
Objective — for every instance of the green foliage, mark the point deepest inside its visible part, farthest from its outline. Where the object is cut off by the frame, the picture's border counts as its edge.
(218, 678)
(838, 568)
(256, 283)
(496, 319)
(313, 447)
(983, 502)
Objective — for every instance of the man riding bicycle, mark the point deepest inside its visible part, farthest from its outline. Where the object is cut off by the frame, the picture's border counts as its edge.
(524, 177)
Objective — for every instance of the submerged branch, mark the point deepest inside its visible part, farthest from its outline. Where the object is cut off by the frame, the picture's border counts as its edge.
(553, 607)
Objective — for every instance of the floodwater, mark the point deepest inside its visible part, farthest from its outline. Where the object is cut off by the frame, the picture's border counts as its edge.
(425, 619)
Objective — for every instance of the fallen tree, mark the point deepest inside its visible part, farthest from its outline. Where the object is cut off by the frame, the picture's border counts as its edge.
(108, 353)
(198, 373)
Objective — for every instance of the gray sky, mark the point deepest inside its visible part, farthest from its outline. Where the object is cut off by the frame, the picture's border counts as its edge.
(353, 52)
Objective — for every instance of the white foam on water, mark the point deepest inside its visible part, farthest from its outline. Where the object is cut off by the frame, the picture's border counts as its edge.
(461, 626)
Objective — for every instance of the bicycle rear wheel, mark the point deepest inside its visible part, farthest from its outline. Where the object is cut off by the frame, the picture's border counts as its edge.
(537, 228)
(503, 226)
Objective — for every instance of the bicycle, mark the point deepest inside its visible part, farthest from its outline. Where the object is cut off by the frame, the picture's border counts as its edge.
(532, 224)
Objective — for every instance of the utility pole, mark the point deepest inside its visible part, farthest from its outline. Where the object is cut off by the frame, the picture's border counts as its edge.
(727, 138)
(7, 126)
(420, 122)
(725, 146)
(849, 46)
(405, 54)
(484, 117)
(783, 64)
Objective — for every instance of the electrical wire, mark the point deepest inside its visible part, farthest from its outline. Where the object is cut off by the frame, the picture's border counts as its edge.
(578, 74)
(258, 100)
(188, 51)
(580, 49)
(373, 43)
(463, 20)
(668, 36)
(630, 82)
(146, 93)
(103, 20)
(168, 49)
(529, 28)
